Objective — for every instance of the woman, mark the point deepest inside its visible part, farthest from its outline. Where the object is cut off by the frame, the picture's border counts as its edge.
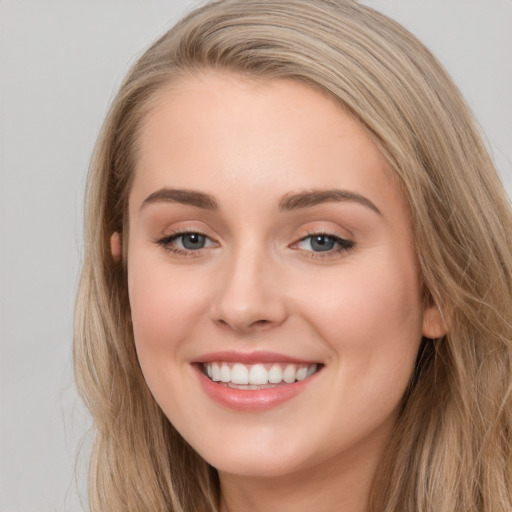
(298, 281)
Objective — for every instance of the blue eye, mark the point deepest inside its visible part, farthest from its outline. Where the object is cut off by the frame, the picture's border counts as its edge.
(324, 243)
(191, 241)
(185, 243)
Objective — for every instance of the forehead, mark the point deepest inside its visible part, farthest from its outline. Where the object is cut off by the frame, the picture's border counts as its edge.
(218, 131)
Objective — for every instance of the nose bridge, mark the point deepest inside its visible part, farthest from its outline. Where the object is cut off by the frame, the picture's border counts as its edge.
(249, 294)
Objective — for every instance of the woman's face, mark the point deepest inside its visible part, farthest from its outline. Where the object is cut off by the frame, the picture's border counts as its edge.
(269, 247)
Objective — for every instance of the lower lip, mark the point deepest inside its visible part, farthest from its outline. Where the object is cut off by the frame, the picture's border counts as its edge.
(251, 400)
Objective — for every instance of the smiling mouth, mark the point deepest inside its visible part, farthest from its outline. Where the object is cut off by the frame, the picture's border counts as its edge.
(257, 376)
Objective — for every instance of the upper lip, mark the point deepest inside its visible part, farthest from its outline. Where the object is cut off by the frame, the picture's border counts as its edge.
(250, 358)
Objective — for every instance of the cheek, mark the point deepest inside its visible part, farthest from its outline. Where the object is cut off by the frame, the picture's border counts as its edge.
(371, 320)
(370, 314)
(165, 308)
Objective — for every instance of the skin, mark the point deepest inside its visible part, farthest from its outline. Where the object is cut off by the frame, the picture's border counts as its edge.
(259, 285)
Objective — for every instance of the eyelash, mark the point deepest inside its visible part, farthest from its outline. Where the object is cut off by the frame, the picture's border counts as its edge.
(343, 244)
(167, 243)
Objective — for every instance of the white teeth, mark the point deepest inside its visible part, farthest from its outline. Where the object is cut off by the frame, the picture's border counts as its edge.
(302, 373)
(243, 376)
(289, 374)
(239, 386)
(258, 375)
(240, 374)
(215, 372)
(275, 374)
(225, 373)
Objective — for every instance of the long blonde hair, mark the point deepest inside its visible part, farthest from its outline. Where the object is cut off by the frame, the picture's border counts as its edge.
(452, 446)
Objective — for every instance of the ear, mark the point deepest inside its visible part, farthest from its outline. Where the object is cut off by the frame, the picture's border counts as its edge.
(115, 246)
(433, 324)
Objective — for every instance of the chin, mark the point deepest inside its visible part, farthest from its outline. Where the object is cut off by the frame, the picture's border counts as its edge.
(261, 467)
(256, 460)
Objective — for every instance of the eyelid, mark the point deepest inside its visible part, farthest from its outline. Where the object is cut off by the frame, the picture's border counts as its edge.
(344, 244)
(166, 242)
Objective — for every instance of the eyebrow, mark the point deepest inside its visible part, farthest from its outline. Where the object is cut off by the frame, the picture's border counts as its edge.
(289, 202)
(190, 197)
(311, 198)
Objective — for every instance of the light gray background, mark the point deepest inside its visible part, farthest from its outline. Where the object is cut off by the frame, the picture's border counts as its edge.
(60, 63)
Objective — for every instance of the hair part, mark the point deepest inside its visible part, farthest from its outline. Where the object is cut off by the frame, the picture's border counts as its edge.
(451, 449)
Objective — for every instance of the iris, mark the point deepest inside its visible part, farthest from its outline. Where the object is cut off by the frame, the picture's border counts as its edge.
(193, 241)
(322, 243)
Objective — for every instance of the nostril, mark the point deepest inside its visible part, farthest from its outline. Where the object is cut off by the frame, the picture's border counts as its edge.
(249, 326)
(260, 323)
(242, 310)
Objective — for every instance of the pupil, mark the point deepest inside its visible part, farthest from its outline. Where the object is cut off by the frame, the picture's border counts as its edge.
(193, 241)
(322, 243)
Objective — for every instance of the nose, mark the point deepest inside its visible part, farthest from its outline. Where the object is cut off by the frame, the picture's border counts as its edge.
(250, 295)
